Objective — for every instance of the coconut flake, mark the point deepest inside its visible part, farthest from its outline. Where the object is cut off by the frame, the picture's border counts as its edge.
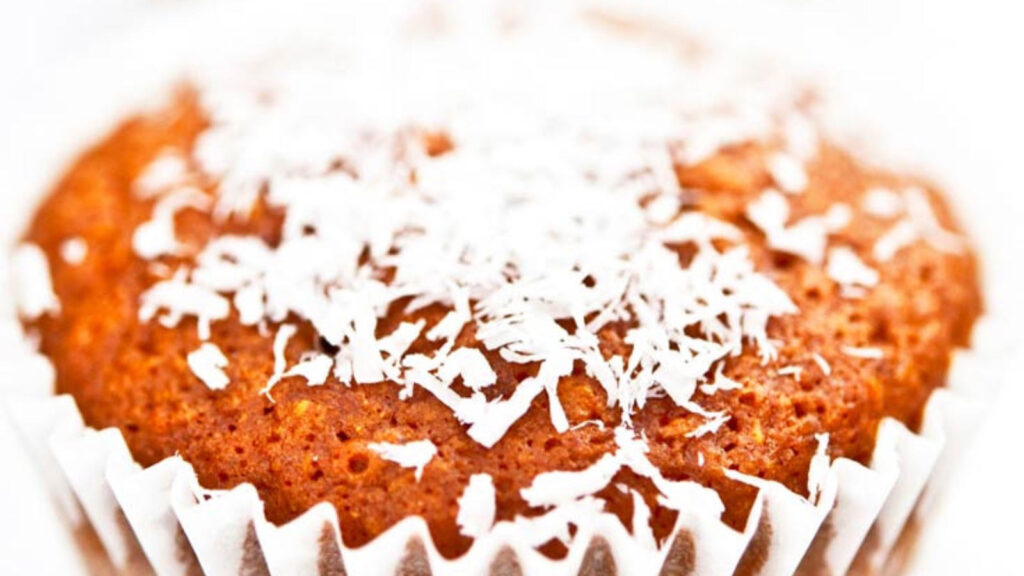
(32, 285)
(477, 506)
(156, 237)
(903, 234)
(712, 426)
(847, 269)
(409, 455)
(795, 371)
(788, 173)
(249, 302)
(471, 365)
(179, 299)
(838, 217)
(864, 353)
(315, 369)
(490, 420)
(721, 382)
(74, 250)
(168, 170)
(451, 325)
(398, 342)
(883, 203)
(208, 363)
(920, 223)
(769, 212)
(281, 338)
(663, 209)
(806, 238)
(394, 346)
(823, 364)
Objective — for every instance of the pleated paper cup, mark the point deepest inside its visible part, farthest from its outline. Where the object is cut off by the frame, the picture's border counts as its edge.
(161, 518)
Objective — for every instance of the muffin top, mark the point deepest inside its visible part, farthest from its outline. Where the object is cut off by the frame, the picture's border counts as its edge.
(523, 267)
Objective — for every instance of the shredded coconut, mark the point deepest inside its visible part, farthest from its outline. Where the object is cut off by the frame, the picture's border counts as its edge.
(788, 173)
(883, 203)
(920, 223)
(477, 506)
(823, 364)
(284, 334)
(551, 215)
(847, 269)
(156, 237)
(599, 424)
(410, 455)
(807, 238)
(315, 368)
(864, 353)
(795, 371)
(898, 237)
(208, 363)
(720, 382)
(167, 171)
(711, 426)
(575, 231)
(74, 250)
(469, 364)
(838, 216)
(179, 298)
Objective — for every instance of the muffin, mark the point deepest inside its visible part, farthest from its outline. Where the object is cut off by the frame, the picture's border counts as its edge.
(523, 280)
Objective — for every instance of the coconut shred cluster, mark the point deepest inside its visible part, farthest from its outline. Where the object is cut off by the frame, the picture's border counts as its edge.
(518, 170)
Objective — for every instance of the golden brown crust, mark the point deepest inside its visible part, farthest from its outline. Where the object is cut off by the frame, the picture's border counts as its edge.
(311, 445)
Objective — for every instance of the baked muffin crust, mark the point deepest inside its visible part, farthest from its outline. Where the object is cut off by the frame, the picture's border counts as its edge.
(850, 357)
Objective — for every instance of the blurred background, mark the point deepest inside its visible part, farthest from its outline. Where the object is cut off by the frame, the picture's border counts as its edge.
(938, 81)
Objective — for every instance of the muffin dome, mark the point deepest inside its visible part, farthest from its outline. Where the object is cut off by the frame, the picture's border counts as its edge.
(561, 267)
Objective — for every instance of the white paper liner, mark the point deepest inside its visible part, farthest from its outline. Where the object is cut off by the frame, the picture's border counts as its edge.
(161, 512)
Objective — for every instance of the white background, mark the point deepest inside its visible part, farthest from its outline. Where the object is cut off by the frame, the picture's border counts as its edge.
(942, 80)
